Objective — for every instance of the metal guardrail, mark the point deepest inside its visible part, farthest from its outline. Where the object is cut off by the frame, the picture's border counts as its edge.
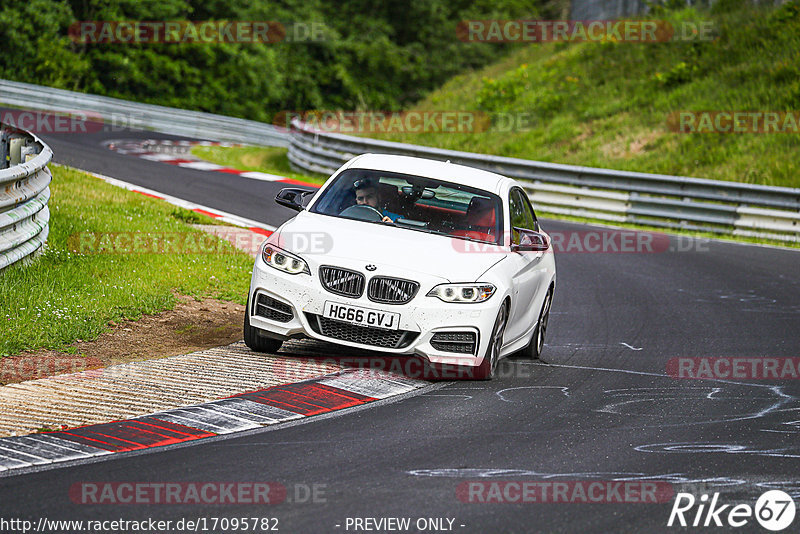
(601, 194)
(24, 193)
(143, 116)
(657, 200)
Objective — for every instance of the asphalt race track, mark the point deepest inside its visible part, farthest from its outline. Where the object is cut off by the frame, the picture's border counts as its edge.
(601, 407)
(86, 152)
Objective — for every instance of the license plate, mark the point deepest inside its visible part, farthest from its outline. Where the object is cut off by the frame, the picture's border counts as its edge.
(361, 316)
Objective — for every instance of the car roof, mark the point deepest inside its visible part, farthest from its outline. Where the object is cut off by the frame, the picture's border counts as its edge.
(428, 168)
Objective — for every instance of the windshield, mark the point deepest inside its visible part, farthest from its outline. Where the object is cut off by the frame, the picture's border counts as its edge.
(413, 202)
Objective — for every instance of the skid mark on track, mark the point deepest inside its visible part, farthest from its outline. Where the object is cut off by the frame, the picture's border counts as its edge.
(544, 475)
(502, 392)
(585, 368)
(774, 399)
(701, 447)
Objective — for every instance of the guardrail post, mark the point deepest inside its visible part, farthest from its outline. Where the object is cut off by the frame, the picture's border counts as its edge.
(14, 149)
(4, 149)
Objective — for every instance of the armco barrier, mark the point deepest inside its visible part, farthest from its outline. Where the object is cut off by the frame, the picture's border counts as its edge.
(143, 116)
(602, 194)
(620, 196)
(24, 192)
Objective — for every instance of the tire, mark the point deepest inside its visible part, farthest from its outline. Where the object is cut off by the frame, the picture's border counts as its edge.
(253, 338)
(534, 349)
(486, 370)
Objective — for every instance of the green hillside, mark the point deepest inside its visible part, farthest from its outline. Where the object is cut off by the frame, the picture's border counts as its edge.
(608, 104)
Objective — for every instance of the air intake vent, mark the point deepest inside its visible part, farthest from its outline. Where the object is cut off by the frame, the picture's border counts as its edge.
(391, 290)
(461, 342)
(273, 309)
(342, 281)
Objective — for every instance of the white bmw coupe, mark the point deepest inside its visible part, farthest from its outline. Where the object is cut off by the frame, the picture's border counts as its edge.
(407, 256)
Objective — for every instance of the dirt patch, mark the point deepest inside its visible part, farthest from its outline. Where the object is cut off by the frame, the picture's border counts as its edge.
(191, 326)
(630, 145)
(641, 143)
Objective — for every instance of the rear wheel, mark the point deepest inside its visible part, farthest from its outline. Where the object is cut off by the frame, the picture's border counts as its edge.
(486, 370)
(253, 338)
(534, 348)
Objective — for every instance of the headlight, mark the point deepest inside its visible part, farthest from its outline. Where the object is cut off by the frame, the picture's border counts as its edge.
(462, 292)
(283, 261)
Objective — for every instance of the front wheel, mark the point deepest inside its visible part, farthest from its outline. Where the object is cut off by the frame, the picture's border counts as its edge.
(486, 370)
(254, 340)
(534, 349)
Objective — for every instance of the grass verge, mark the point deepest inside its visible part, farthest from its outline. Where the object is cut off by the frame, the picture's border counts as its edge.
(271, 160)
(67, 294)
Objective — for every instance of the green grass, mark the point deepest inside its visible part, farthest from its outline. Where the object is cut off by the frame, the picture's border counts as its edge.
(606, 104)
(64, 295)
(271, 160)
(192, 217)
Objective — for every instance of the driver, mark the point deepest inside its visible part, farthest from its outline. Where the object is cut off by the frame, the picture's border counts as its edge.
(367, 194)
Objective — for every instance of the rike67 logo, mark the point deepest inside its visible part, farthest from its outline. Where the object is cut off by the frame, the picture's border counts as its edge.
(774, 510)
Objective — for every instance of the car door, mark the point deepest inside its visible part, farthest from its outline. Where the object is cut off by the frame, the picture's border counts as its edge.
(525, 267)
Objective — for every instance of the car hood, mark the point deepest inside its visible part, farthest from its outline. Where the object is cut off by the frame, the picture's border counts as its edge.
(323, 239)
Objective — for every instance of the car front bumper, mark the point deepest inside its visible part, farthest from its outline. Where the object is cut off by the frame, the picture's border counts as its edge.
(423, 317)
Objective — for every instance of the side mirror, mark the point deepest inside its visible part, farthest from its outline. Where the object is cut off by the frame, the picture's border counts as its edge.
(292, 197)
(530, 241)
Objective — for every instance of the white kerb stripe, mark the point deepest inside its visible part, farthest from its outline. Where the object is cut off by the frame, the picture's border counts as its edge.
(377, 388)
(200, 165)
(255, 175)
